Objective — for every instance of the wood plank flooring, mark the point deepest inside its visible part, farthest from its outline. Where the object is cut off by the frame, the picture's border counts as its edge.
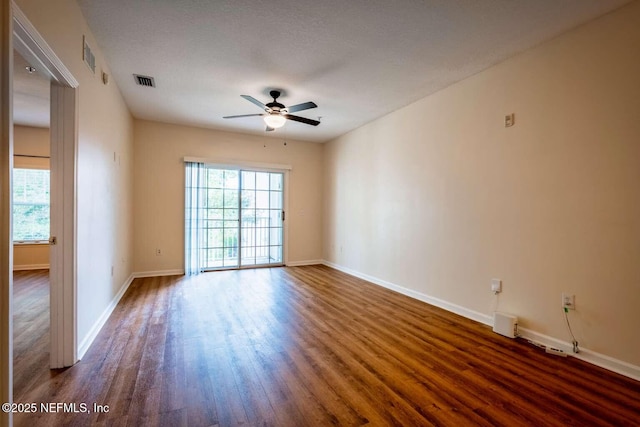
(31, 330)
(311, 346)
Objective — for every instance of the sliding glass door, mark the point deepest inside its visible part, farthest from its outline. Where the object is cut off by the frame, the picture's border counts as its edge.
(261, 218)
(243, 219)
(221, 219)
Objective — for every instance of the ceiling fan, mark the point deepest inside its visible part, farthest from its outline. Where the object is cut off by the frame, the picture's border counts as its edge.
(275, 114)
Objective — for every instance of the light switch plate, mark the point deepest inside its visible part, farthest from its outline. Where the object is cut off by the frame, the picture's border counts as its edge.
(509, 120)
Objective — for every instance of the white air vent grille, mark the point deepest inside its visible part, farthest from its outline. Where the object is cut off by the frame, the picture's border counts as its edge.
(144, 80)
(87, 55)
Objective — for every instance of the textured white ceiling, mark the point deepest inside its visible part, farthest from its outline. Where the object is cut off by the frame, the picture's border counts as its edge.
(356, 59)
(30, 95)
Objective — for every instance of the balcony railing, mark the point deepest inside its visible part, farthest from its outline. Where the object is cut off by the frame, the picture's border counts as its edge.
(256, 247)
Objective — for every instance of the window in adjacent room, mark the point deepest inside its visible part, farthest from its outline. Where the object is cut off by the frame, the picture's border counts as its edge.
(31, 205)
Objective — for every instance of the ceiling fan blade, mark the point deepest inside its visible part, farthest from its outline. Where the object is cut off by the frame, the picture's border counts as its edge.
(258, 103)
(269, 129)
(242, 115)
(301, 119)
(300, 107)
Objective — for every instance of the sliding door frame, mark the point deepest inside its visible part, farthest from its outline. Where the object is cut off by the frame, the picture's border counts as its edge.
(240, 228)
(269, 228)
(240, 166)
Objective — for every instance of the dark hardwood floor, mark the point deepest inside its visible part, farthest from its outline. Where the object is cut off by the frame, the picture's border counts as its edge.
(30, 330)
(311, 346)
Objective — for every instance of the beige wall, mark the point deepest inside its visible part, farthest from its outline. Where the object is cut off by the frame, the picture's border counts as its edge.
(30, 141)
(159, 188)
(439, 197)
(30, 256)
(104, 185)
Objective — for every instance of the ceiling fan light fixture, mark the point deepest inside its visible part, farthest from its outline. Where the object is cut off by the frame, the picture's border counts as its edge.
(274, 121)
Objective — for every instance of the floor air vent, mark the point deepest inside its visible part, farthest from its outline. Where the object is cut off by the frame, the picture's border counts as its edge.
(144, 80)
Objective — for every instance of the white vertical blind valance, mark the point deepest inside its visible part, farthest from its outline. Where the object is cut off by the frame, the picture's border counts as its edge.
(239, 164)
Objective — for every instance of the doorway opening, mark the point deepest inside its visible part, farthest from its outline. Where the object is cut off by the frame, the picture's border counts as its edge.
(62, 109)
(31, 226)
(19, 34)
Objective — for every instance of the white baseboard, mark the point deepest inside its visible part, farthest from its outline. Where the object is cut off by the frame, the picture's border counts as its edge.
(30, 267)
(457, 309)
(590, 356)
(306, 262)
(158, 273)
(97, 326)
(598, 359)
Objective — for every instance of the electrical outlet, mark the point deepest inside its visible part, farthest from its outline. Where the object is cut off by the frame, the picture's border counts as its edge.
(568, 301)
(158, 252)
(496, 286)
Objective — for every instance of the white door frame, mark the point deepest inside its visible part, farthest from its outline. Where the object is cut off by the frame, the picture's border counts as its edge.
(6, 241)
(62, 270)
(17, 32)
(64, 137)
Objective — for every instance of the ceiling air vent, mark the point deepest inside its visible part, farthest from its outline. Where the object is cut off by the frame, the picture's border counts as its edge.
(144, 80)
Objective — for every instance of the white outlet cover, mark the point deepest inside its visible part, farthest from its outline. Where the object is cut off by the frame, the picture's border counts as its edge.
(568, 301)
(496, 285)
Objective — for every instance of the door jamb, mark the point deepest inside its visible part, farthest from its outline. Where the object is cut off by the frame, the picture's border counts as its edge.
(6, 241)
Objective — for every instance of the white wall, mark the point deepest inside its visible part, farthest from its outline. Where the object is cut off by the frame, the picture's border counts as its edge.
(439, 197)
(159, 188)
(104, 185)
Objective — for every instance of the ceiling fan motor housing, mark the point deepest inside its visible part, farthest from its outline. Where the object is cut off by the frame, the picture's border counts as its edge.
(275, 105)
